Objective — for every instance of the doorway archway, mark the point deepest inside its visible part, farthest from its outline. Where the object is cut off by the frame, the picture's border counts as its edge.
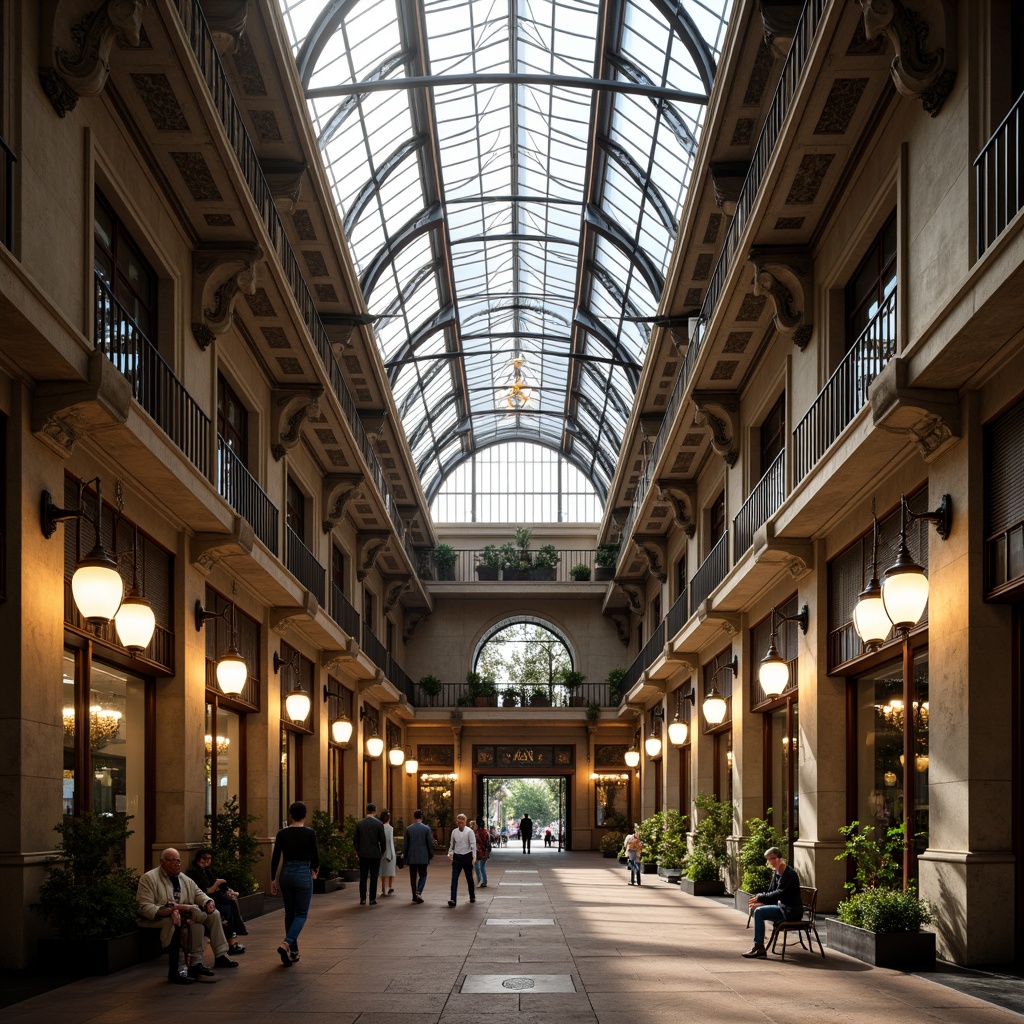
(503, 798)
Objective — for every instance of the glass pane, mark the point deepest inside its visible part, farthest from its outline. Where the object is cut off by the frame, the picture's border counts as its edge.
(880, 748)
(611, 800)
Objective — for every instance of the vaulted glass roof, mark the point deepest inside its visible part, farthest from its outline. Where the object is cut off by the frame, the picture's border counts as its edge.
(510, 177)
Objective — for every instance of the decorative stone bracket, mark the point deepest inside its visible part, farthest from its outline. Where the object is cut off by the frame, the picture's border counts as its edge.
(284, 177)
(795, 554)
(719, 412)
(930, 417)
(394, 587)
(682, 499)
(681, 661)
(281, 617)
(226, 19)
(207, 549)
(634, 592)
(368, 549)
(338, 490)
(923, 34)
(339, 657)
(621, 623)
(219, 275)
(780, 18)
(76, 38)
(731, 622)
(727, 179)
(785, 276)
(413, 620)
(293, 406)
(654, 548)
(63, 411)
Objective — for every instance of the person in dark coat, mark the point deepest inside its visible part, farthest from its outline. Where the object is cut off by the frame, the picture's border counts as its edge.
(781, 902)
(417, 852)
(225, 899)
(526, 832)
(370, 843)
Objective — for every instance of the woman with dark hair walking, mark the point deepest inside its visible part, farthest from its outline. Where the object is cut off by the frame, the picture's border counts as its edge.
(296, 846)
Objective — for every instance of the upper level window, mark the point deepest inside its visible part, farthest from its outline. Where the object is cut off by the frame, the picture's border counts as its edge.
(338, 568)
(716, 520)
(120, 263)
(295, 508)
(232, 420)
(773, 434)
(873, 280)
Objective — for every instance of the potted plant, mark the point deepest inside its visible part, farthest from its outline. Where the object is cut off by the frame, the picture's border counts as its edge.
(489, 562)
(88, 898)
(593, 713)
(430, 687)
(328, 841)
(572, 681)
(710, 848)
(236, 851)
(545, 563)
(649, 833)
(510, 697)
(580, 572)
(614, 680)
(348, 859)
(519, 561)
(539, 697)
(611, 843)
(481, 689)
(444, 559)
(672, 846)
(605, 558)
(755, 874)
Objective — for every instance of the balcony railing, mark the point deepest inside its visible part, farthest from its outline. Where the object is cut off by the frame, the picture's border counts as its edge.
(711, 572)
(677, 616)
(8, 191)
(400, 678)
(466, 560)
(374, 649)
(999, 177)
(303, 565)
(846, 393)
(210, 68)
(154, 385)
(236, 485)
(645, 658)
(343, 613)
(554, 695)
(763, 502)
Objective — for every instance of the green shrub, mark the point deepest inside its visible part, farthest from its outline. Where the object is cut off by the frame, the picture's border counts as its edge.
(885, 910)
(235, 849)
(877, 863)
(547, 557)
(672, 847)
(347, 857)
(611, 842)
(328, 840)
(700, 868)
(650, 832)
(607, 555)
(490, 557)
(761, 835)
(87, 892)
(580, 572)
(614, 680)
(711, 835)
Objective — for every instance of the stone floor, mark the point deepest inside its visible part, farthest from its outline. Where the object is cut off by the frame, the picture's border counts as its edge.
(570, 943)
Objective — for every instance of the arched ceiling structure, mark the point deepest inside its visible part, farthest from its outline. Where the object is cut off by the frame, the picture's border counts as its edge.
(509, 175)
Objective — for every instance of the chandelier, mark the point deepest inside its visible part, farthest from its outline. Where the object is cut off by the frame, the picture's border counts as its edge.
(892, 715)
(104, 724)
(223, 744)
(519, 392)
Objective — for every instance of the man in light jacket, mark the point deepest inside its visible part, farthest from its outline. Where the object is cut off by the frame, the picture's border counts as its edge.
(462, 854)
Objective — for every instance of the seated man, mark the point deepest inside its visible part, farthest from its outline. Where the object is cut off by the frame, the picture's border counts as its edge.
(225, 899)
(781, 902)
(164, 895)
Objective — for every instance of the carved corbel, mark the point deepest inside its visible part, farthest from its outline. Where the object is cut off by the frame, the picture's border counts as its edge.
(634, 596)
(930, 417)
(284, 177)
(682, 499)
(341, 325)
(207, 549)
(719, 412)
(923, 34)
(338, 490)
(780, 18)
(64, 411)
(412, 623)
(226, 19)
(394, 587)
(368, 549)
(293, 406)
(621, 623)
(76, 40)
(727, 179)
(338, 658)
(796, 555)
(281, 617)
(655, 551)
(785, 277)
(731, 622)
(683, 661)
(219, 275)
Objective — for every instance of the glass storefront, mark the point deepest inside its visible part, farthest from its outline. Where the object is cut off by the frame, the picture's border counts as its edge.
(223, 748)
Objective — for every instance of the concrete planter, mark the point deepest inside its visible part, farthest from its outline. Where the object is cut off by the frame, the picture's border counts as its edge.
(81, 957)
(252, 905)
(901, 951)
(670, 875)
(715, 887)
(604, 573)
(649, 867)
(486, 572)
(350, 874)
(325, 885)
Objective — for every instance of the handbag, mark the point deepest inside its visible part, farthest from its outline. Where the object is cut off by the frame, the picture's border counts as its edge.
(401, 861)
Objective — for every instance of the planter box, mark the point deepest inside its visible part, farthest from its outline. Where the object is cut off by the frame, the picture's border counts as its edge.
(901, 951)
(543, 575)
(324, 885)
(671, 875)
(604, 573)
(81, 957)
(713, 888)
(350, 874)
(252, 905)
(516, 574)
(486, 572)
(649, 867)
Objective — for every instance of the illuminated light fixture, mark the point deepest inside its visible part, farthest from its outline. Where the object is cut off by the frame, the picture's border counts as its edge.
(341, 727)
(715, 705)
(374, 744)
(297, 704)
(97, 586)
(905, 586)
(921, 762)
(632, 757)
(518, 393)
(223, 745)
(869, 618)
(135, 621)
(396, 757)
(678, 729)
(889, 778)
(104, 725)
(653, 742)
(231, 670)
(609, 777)
(773, 672)
(412, 765)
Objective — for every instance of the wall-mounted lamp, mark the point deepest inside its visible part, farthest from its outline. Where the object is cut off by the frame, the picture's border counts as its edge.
(773, 672)
(632, 756)
(714, 705)
(135, 621)
(297, 704)
(341, 727)
(900, 600)
(412, 764)
(653, 742)
(97, 586)
(679, 730)
(231, 671)
(396, 757)
(374, 744)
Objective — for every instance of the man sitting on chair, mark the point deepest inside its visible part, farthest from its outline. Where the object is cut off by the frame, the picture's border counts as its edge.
(164, 896)
(781, 902)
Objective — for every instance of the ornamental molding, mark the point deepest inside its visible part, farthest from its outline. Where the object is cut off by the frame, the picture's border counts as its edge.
(226, 19)
(634, 592)
(718, 411)
(923, 35)
(284, 178)
(207, 549)
(292, 406)
(220, 274)
(394, 588)
(780, 21)
(76, 38)
(930, 417)
(413, 621)
(621, 623)
(369, 546)
(654, 548)
(338, 490)
(282, 618)
(785, 277)
(682, 499)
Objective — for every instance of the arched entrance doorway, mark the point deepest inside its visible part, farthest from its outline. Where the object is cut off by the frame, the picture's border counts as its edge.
(502, 800)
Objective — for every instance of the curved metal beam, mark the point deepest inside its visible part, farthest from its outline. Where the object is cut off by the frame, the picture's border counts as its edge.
(429, 220)
(642, 181)
(388, 167)
(608, 228)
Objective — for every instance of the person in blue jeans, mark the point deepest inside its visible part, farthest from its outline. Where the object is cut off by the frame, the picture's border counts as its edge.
(483, 851)
(781, 901)
(634, 847)
(296, 850)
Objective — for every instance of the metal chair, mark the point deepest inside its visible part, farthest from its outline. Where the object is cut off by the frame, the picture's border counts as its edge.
(805, 925)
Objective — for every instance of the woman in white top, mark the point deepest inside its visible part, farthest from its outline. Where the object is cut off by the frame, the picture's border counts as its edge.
(387, 858)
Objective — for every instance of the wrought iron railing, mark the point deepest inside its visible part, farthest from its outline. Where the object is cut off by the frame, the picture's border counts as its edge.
(763, 502)
(677, 616)
(237, 486)
(154, 385)
(343, 613)
(846, 393)
(8, 168)
(467, 561)
(302, 564)
(400, 678)
(374, 649)
(711, 572)
(654, 646)
(507, 696)
(999, 177)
